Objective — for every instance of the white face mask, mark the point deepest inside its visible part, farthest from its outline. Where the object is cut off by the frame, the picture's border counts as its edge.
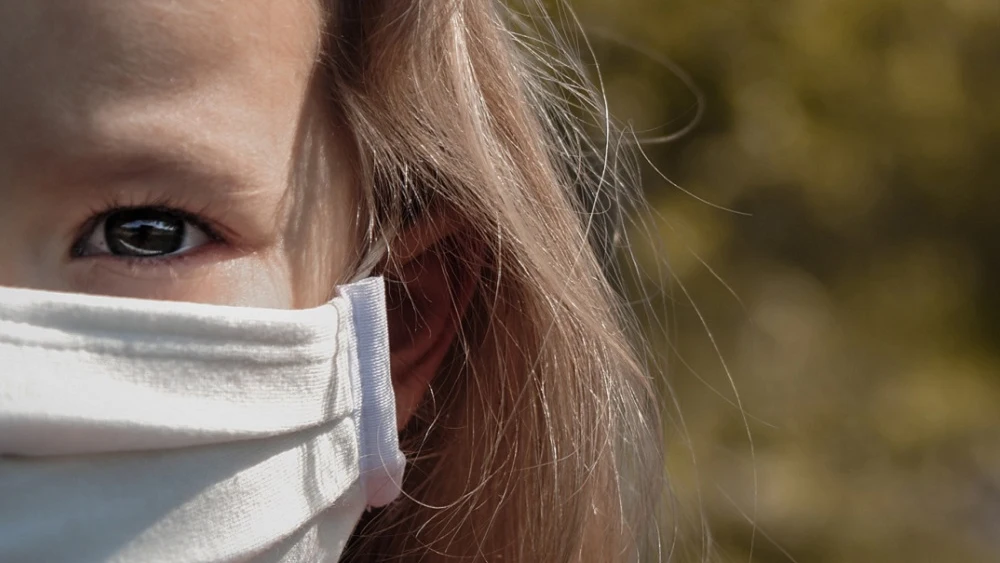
(135, 430)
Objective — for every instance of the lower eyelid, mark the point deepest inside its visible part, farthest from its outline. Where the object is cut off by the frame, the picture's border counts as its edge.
(196, 263)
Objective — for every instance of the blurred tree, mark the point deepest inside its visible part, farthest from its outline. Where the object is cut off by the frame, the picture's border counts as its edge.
(849, 295)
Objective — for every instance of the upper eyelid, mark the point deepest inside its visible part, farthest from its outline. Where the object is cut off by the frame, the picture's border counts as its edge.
(186, 178)
(136, 164)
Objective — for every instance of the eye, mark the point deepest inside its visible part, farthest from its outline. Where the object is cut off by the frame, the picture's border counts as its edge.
(142, 232)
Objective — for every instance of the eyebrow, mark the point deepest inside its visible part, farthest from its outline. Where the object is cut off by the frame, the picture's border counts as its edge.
(112, 168)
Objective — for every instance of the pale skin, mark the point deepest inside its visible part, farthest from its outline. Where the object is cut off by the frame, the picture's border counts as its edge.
(181, 119)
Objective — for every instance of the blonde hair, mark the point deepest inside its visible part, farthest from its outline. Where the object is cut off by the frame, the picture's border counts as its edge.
(540, 439)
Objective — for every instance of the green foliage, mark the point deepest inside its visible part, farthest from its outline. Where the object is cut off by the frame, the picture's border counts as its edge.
(859, 143)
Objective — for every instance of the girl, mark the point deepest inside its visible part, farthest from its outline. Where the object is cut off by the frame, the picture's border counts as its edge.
(258, 154)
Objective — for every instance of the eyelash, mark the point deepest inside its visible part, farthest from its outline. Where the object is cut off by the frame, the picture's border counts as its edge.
(180, 208)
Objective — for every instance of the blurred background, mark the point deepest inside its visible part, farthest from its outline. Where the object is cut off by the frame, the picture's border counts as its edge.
(832, 344)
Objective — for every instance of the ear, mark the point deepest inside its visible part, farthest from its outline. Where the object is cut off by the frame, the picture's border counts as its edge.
(431, 277)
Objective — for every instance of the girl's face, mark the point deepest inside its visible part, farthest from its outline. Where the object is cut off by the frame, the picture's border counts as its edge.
(170, 150)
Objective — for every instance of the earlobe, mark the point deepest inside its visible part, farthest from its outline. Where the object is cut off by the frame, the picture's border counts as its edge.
(430, 281)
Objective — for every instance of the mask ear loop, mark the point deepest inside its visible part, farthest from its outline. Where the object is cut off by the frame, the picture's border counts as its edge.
(375, 255)
(376, 247)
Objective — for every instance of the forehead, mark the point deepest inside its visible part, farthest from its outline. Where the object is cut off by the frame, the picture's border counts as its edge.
(148, 40)
(76, 68)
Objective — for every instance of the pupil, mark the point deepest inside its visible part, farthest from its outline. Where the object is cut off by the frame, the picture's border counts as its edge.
(143, 232)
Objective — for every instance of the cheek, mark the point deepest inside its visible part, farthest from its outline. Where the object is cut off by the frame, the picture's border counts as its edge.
(261, 279)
